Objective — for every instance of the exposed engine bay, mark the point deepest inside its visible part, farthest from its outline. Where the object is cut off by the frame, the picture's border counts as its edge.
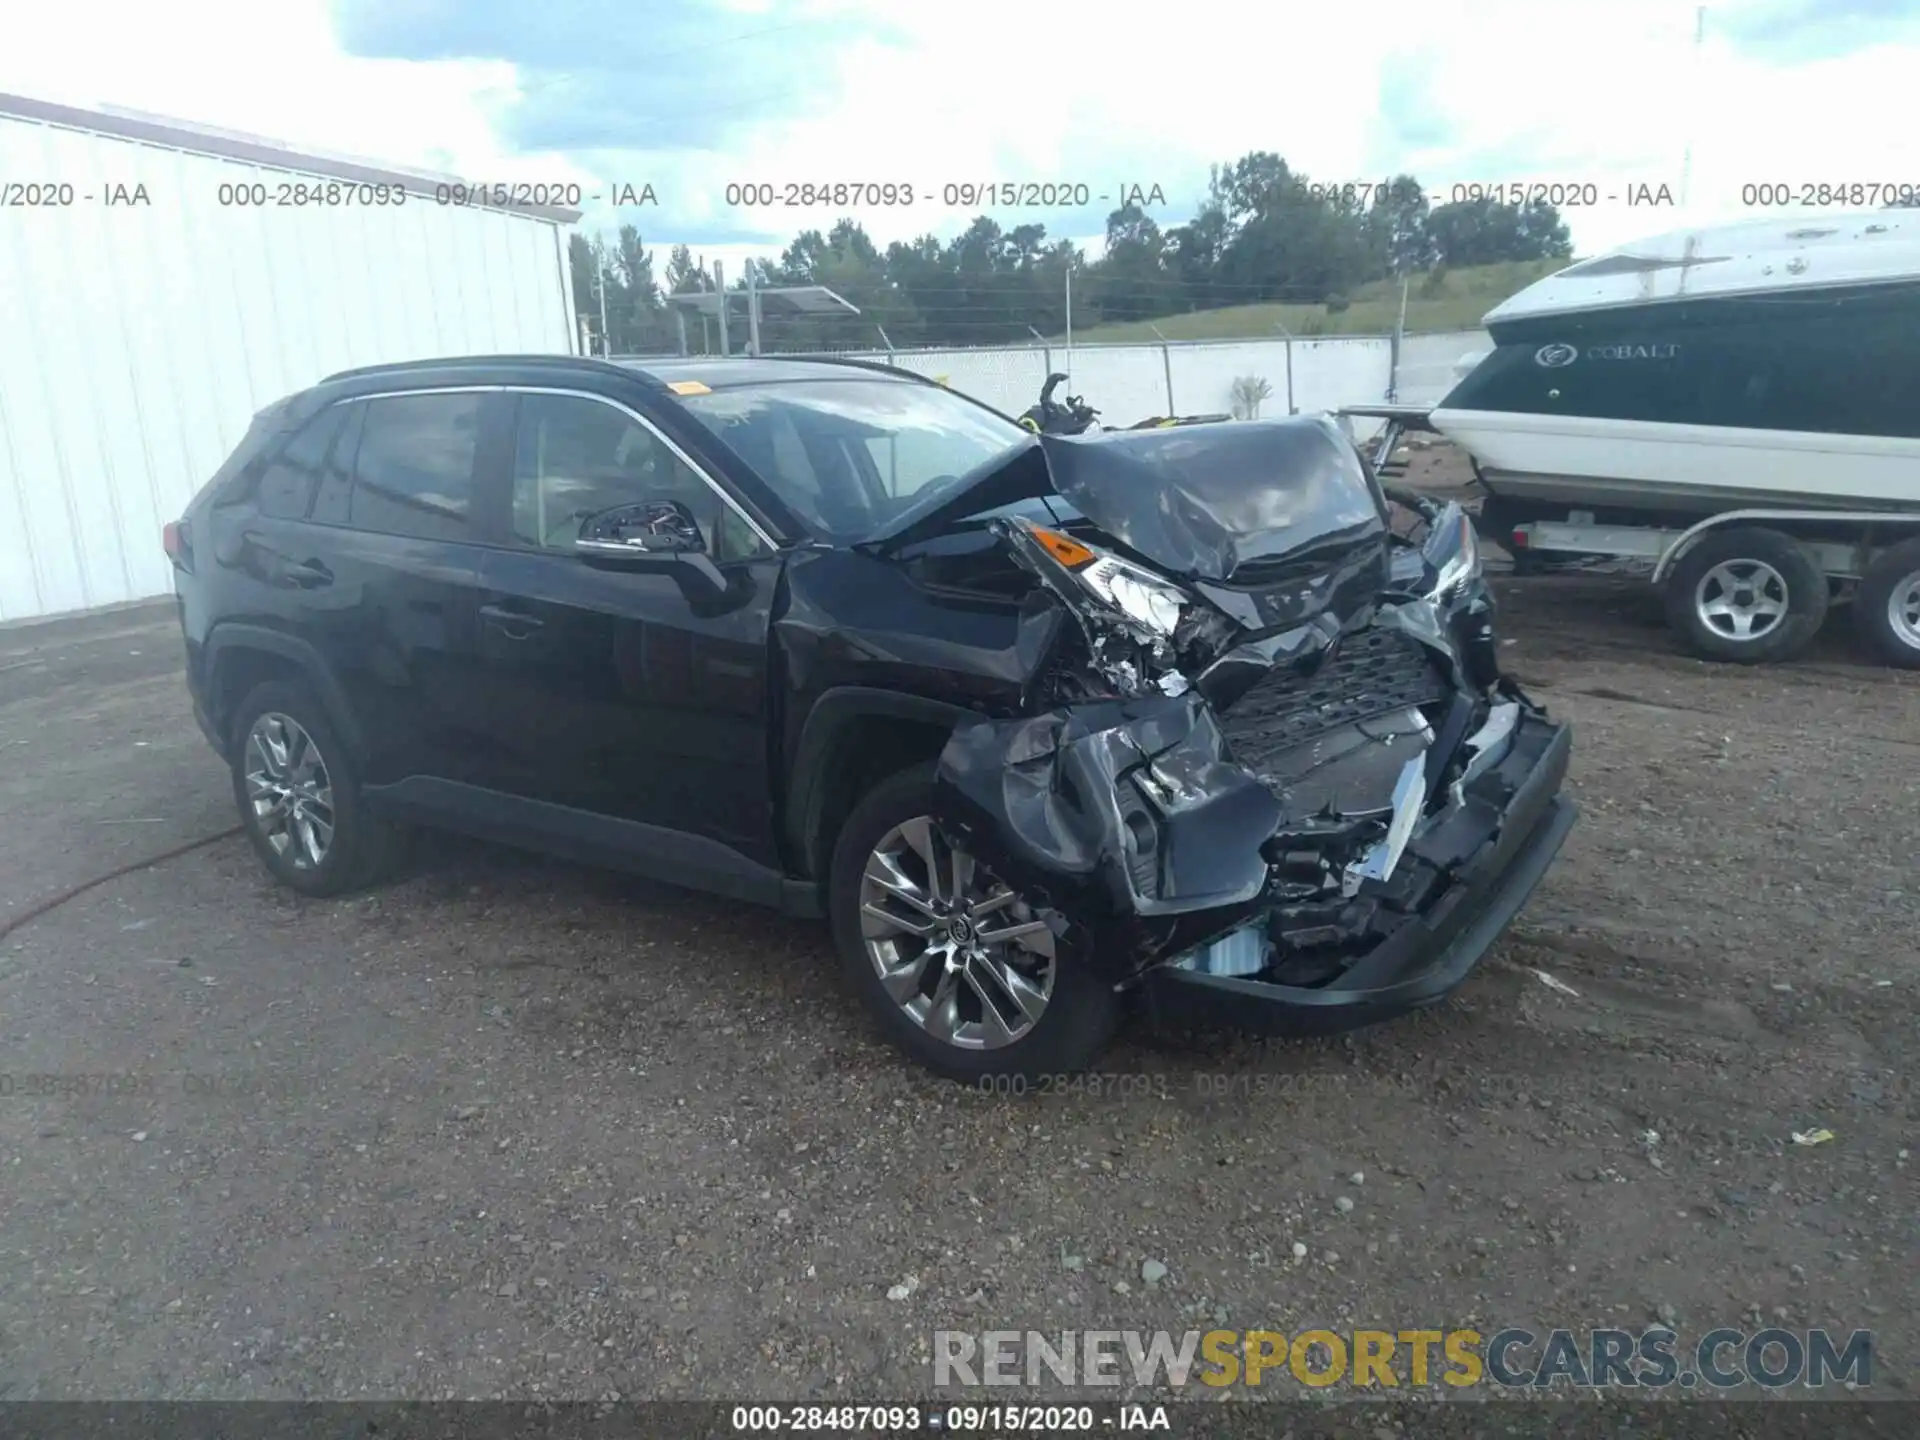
(1271, 733)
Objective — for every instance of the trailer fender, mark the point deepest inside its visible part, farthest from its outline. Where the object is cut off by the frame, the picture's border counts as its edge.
(1686, 539)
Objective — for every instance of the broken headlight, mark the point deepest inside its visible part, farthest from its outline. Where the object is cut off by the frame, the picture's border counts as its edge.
(1451, 551)
(1137, 593)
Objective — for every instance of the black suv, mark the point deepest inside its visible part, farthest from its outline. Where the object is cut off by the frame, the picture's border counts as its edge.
(1038, 723)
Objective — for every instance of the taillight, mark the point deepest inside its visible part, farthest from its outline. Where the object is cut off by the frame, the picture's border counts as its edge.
(177, 540)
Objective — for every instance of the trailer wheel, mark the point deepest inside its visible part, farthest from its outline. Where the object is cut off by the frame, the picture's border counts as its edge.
(1749, 595)
(1887, 605)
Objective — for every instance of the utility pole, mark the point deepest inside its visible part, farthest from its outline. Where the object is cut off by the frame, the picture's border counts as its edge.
(1166, 365)
(1399, 339)
(720, 284)
(1046, 350)
(753, 309)
(1069, 321)
(600, 278)
(1693, 104)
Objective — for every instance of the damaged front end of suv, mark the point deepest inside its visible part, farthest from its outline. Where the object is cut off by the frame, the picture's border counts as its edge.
(1268, 771)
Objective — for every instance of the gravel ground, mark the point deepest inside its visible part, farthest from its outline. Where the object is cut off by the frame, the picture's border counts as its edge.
(510, 1128)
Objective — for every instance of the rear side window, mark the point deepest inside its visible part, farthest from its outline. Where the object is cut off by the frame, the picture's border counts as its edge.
(286, 485)
(414, 471)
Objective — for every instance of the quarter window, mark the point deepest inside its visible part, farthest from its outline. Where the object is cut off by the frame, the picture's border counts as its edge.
(414, 473)
(335, 496)
(286, 485)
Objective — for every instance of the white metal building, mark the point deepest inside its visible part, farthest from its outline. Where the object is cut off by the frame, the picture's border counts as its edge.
(160, 283)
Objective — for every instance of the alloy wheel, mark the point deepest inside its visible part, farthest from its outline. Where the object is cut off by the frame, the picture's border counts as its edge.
(290, 790)
(1903, 610)
(1741, 599)
(960, 952)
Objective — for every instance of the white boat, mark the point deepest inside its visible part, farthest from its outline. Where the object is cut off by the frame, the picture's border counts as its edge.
(1773, 363)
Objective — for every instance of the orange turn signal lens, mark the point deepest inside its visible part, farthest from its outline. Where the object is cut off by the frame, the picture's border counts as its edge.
(1069, 552)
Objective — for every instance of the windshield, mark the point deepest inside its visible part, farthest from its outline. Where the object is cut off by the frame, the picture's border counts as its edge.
(849, 455)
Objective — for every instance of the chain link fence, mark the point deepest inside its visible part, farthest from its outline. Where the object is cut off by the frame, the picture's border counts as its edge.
(1130, 382)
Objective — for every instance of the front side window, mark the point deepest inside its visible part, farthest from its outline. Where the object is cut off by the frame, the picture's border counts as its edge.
(848, 455)
(414, 471)
(575, 457)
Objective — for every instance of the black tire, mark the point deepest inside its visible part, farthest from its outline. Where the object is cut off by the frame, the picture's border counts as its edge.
(1805, 595)
(1080, 1013)
(1893, 571)
(362, 846)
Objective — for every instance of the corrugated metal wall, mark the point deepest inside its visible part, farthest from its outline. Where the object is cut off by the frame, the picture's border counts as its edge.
(137, 341)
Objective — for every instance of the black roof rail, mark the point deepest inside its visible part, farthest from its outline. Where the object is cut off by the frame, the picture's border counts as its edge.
(855, 363)
(457, 362)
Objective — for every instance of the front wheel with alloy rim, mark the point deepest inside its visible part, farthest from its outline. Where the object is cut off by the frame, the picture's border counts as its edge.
(1749, 595)
(957, 967)
(1887, 605)
(299, 797)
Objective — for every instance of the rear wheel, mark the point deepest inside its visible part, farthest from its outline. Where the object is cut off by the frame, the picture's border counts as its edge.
(1887, 605)
(956, 966)
(1748, 595)
(299, 797)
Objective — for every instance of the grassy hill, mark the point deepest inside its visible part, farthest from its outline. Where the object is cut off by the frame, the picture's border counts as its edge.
(1442, 300)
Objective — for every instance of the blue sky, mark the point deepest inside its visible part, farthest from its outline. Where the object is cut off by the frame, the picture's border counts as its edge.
(689, 95)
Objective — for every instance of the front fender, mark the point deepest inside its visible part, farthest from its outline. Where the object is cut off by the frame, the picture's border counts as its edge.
(827, 721)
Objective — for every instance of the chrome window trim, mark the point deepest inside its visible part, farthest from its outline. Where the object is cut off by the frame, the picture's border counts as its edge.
(577, 394)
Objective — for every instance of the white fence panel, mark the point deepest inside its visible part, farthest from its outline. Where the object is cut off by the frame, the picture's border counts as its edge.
(1129, 383)
(1203, 375)
(1009, 379)
(1330, 373)
(1427, 363)
(1124, 383)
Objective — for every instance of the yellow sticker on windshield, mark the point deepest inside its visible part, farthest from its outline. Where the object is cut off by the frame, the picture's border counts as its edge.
(689, 387)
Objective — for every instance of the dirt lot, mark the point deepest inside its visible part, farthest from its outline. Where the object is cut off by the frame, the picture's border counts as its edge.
(506, 1127)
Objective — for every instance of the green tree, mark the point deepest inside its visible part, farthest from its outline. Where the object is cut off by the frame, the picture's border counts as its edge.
(1132, 277)
(1397, 230)
(1481, 232)
(683, 276)
(1264, 233)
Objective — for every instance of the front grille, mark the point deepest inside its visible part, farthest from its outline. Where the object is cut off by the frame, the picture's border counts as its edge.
(1373, 672)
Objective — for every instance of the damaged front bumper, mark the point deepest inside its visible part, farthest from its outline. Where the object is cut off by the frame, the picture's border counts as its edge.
(1347, 854)
(1510, 825)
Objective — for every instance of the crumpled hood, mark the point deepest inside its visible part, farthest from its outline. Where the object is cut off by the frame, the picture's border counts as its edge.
(1205, 502)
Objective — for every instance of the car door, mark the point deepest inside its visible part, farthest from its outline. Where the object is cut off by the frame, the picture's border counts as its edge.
(390, 589)
(641, 695)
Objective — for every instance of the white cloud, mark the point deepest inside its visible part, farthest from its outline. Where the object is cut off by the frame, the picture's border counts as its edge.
(272, 69)
(1605, 91)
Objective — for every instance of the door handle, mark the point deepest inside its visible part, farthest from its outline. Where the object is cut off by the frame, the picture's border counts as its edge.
(514, 624)
(306, 574)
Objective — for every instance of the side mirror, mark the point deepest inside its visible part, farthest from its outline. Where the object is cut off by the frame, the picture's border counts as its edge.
(656, 535)
(653, 527)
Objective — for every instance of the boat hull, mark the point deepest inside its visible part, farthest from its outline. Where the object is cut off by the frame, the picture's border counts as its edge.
(1585, 462)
